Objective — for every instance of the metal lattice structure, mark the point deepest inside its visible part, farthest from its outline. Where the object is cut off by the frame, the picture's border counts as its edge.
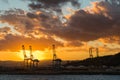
(29, 62)
(56, 62)
(91, 52)
(33, 62)
(26, 60)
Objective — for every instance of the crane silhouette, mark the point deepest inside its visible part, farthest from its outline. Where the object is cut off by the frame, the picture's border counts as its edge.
(29, 62)
(26, 59)
(91, 52)
(33, 62)
(56, 61)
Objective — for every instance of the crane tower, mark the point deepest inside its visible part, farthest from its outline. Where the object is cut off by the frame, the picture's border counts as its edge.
(56, 61)
(25, 57)
(91, 52)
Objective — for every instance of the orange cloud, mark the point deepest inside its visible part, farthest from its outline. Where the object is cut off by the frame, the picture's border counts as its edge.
(43, 28)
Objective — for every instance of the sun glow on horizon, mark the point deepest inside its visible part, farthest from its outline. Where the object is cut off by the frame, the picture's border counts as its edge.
(37, 54)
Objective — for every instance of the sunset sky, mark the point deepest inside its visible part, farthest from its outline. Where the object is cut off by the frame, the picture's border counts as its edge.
(73, 26)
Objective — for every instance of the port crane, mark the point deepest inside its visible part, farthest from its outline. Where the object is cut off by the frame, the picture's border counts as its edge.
(26, 60)
(91, 52)
(29, 62)
(56, 61)
(33, 62)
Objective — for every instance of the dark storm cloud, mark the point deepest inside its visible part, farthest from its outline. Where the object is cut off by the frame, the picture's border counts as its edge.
(36, 4)
(31, 15)
(53, 6)
(19, 20)
(87, 26)
(47, 21)
(81, 26)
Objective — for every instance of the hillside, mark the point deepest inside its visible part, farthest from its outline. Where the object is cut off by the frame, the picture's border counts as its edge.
(110, 60)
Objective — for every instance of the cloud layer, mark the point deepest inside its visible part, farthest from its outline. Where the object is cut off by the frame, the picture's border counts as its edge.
(102, 20)
(51, 3)
(42, 27)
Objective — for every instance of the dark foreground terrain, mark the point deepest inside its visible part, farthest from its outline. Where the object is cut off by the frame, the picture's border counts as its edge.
(99, 65)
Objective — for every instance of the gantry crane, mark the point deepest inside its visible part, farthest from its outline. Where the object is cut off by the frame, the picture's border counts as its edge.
(54, 53)
(33, 62)
(26, 60)
(97, 52)
(56, 61)
(91, 52)
(31, 56)
(29, 62)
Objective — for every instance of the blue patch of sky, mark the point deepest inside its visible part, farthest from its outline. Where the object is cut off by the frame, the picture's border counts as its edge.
(11, 4)
(2, 25)
(23, 4)
(83, 4)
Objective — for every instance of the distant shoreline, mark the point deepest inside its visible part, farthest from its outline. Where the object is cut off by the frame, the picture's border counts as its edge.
(60, 73)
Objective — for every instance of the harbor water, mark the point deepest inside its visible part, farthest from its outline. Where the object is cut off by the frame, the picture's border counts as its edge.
(59, 77)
